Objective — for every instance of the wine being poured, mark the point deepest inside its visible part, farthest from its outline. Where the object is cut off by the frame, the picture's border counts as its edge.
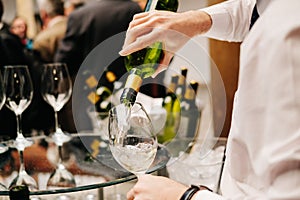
(131, 137)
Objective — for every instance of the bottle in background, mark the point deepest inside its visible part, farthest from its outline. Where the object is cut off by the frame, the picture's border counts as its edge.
(143, 63)
(19, 192)
(180, 90)
(89, 87)
(169, 131)
(104, 91)
(190, 114)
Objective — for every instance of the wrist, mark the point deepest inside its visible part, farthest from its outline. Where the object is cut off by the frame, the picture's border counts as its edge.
(189, 194)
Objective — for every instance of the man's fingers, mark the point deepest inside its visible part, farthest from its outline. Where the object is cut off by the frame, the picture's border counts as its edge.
(130, 195)
(141, 42)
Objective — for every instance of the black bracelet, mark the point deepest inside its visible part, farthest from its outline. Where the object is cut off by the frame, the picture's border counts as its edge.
(189, 193)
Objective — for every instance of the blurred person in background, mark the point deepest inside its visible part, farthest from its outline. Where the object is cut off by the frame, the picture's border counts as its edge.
(87, 27)
(12, 52)
(11, 46)
(263, 148)
(54, 27)
(90, 25)
(71, 5)
(19, 28)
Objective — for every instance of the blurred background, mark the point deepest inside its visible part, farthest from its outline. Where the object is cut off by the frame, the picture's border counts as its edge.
(224, 56)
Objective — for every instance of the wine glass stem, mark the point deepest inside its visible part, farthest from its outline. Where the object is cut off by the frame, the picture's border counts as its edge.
(19, 129)
(60, 154)
(21, 161)
(56, 120)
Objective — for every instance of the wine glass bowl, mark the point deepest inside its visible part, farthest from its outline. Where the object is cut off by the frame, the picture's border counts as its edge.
(131, 138)
(3, 147)
(56, 89)
(19, 93)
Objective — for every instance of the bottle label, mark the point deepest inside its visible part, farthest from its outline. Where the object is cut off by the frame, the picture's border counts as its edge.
(91, 81)
(190, 94)
(93, 97)
(110, 76)
(134, 81)
(181, 80)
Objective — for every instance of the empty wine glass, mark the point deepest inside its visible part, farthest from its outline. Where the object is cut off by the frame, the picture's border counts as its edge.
(19, 93)
(56, 89)
(131, 138)
(3, 147)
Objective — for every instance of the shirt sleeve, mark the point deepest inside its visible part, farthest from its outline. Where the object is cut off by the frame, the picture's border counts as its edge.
(230, 19)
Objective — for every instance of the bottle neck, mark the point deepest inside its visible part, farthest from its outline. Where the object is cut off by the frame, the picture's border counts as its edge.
(151, 5)
(132, 86)
(190, 94)
(171, 88)
(134, 80)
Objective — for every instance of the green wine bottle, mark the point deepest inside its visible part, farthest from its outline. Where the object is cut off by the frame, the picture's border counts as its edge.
(143, 63)
(176, 110)
(19, 192)
(169, 131)
(190, 114)
(180, 90)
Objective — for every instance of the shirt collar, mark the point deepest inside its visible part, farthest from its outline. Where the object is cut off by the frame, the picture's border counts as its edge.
(262, 5)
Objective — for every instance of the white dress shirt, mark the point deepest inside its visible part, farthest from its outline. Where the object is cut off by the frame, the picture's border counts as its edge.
(263, 153)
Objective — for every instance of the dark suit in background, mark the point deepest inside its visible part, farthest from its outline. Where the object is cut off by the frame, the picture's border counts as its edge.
(91, 24)
(87, 27)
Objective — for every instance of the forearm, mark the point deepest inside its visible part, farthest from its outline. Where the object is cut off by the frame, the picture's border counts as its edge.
(193, 23)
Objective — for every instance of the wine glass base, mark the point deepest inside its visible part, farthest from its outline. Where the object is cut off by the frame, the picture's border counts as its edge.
(24, 179)
(3, 187)
(3, 148)
(21, 143)
(61, 178)
(59, 137)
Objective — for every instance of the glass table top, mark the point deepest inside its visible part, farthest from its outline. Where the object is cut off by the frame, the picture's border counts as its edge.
(85, 155)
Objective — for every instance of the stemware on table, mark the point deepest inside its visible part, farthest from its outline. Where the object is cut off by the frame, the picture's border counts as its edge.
(131, 137)
(19, 93)
(56, 89)
(3, 147)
